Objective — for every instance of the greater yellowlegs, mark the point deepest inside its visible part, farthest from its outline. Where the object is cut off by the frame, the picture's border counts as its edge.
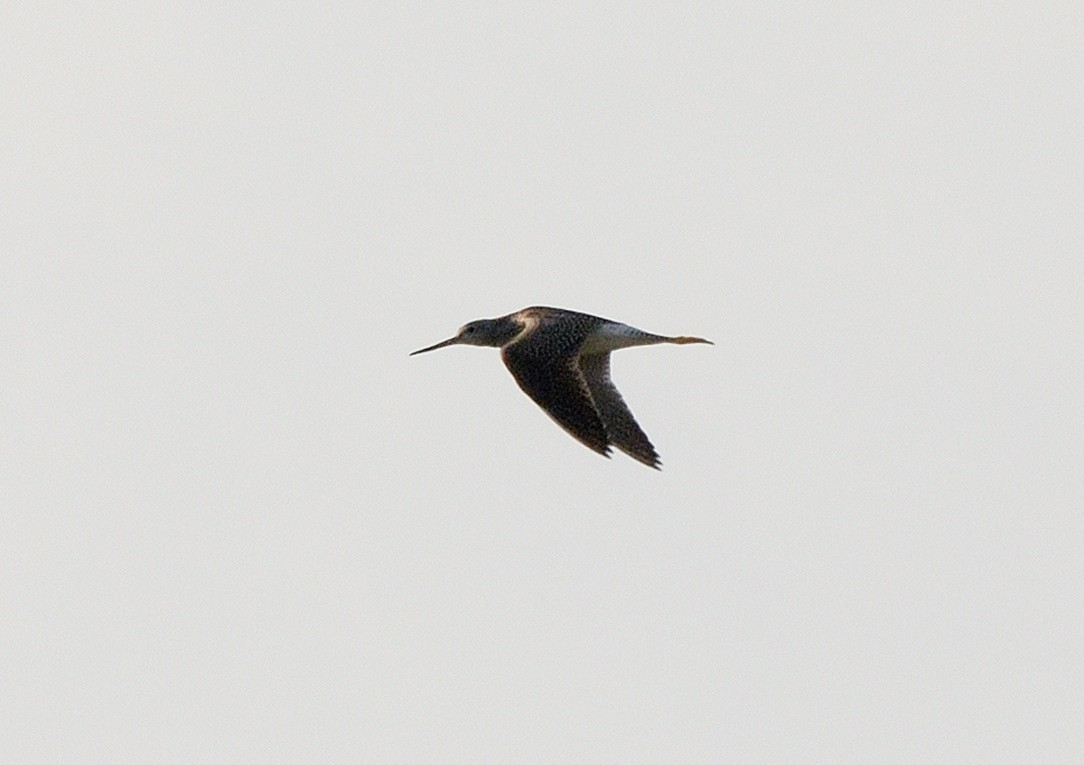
(561, 359)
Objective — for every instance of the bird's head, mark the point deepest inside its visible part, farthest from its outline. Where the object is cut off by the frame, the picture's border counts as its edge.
(488, 332)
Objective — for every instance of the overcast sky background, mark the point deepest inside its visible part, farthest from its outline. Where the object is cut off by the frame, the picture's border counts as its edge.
(240, 525)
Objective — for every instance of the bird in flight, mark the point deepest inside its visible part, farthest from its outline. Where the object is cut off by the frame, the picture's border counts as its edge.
(561, 359)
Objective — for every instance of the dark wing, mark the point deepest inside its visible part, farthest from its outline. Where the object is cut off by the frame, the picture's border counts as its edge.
(556, 385)
(620, 425)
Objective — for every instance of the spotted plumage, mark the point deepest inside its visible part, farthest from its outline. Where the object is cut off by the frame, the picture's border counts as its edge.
(561, 359)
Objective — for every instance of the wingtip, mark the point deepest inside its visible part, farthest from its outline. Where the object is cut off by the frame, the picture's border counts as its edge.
(651, 460)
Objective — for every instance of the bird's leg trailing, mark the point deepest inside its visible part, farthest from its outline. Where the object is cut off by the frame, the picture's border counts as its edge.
(686, 340)
(613, 336)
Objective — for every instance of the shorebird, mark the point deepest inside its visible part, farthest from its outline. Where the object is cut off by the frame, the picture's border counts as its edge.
(561, 359)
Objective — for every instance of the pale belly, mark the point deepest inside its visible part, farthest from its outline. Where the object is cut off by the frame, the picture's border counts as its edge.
(614, 336)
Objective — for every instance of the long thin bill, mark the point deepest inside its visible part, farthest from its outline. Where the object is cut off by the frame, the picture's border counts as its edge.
(449, 341)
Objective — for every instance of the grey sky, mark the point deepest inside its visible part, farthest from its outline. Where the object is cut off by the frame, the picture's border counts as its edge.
(240, 525)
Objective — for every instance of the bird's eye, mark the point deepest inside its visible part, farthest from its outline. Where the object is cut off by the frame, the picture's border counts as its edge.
(469, 331)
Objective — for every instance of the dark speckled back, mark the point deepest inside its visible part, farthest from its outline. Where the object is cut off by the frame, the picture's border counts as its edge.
(559, 333)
